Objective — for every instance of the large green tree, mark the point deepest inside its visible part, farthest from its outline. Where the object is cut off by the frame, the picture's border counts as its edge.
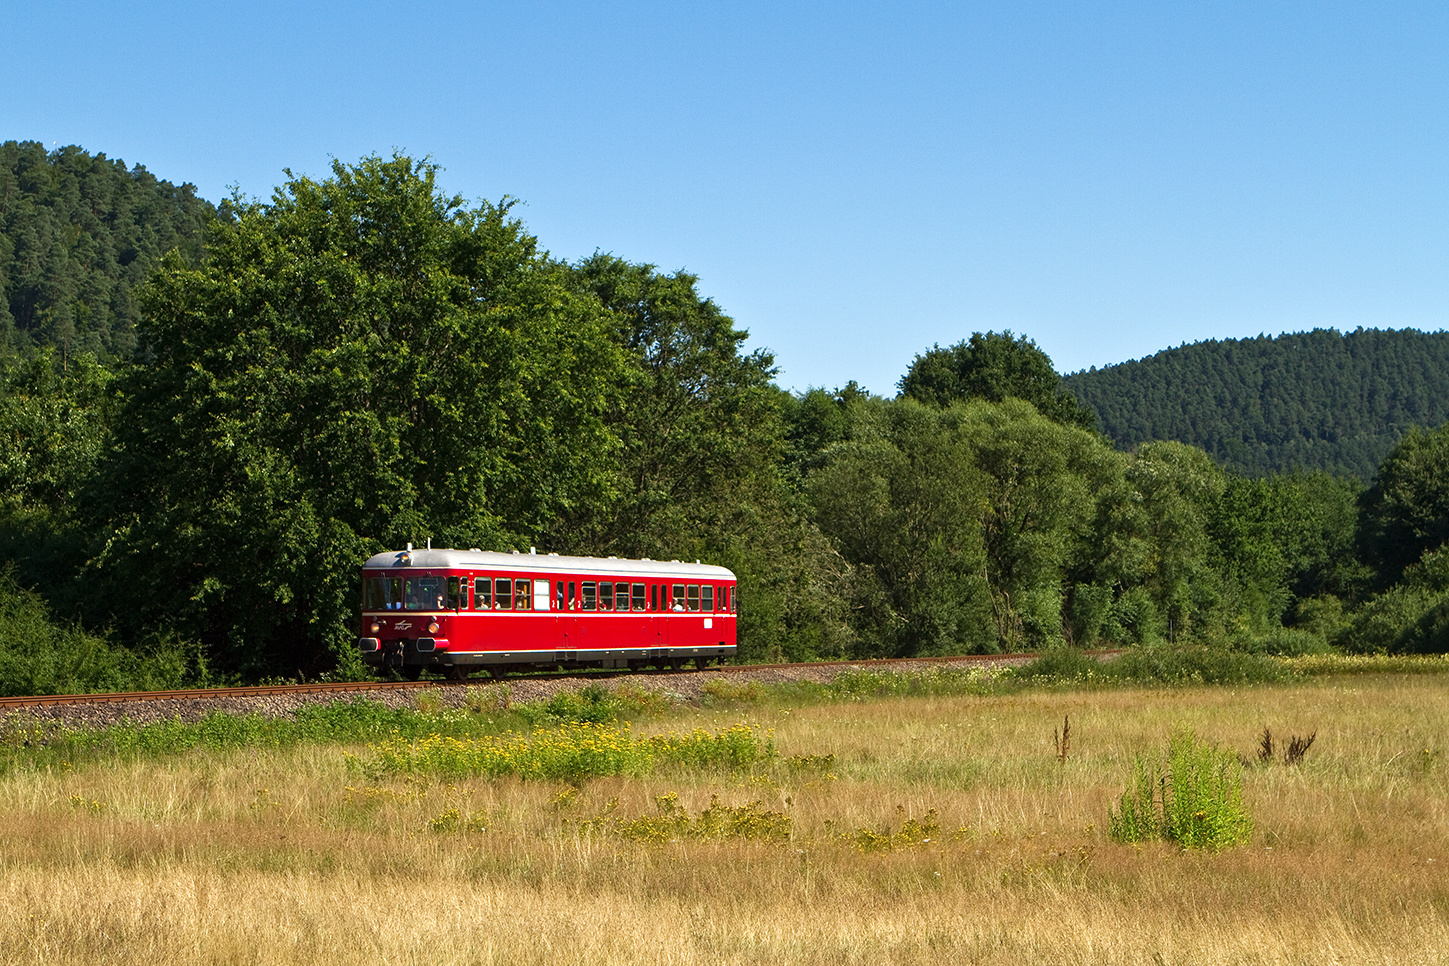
(55, 424)
(698, 422)
(697, 469)
(994, 366)
(358, 362)
(964, 521)
(1406, 511)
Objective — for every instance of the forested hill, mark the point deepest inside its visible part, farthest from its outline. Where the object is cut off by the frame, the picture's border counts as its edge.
(77, 233)
(1320, 400)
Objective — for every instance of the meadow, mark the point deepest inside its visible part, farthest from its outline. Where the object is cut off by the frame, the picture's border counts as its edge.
(940, 821)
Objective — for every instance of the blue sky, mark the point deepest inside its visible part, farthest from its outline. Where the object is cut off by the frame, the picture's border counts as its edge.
(851, 181)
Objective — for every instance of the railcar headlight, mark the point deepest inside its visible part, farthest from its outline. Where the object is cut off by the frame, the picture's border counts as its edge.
(376, 627)
(432, 627)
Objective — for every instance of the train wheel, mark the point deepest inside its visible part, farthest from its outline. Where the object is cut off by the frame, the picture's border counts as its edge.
(411, 671)
(457, 672)
(701, 662)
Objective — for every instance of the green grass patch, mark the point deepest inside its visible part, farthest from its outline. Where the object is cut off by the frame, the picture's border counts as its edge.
(1330, 664)
(572, 752)
(357, 721)
(595, 704)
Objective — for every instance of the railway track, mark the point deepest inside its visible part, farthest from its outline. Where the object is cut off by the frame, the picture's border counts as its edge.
(342, 688)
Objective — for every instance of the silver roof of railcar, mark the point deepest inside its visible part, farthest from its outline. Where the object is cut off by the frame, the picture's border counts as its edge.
(424, 559)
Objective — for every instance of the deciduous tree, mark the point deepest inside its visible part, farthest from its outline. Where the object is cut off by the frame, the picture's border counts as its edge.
(359, 362)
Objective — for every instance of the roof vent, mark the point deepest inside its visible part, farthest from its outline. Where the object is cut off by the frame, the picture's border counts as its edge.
(533, 550)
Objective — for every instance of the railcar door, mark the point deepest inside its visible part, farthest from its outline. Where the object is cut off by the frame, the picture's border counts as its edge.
(566, 621)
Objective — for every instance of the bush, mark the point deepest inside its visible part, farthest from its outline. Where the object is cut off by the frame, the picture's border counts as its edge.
(1153, 665)
(1060, 665)
(39, 655)
(1283, 642)
(1193, 799)
(1195, 665)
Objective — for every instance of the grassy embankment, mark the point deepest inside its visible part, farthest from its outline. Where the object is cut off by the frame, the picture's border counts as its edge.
(816, 826)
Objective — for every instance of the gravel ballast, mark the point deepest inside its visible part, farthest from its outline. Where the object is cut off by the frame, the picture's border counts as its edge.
(681, 686)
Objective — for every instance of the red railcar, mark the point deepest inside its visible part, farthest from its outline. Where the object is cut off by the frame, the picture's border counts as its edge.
(458, 611)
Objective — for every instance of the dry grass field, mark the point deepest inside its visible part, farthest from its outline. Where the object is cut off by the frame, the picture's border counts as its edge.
(901, 830)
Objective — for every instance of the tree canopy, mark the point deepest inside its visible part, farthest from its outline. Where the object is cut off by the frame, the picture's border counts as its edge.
(359, 362)
(994, 366)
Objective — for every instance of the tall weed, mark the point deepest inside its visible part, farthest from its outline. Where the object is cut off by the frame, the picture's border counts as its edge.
(1193, 798)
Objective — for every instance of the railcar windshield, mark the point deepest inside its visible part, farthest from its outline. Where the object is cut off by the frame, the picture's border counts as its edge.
(410, 593)
(381, 593)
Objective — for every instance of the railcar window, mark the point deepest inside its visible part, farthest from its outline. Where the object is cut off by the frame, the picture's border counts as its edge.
(522, 594)
(483, 593)
(734, 600)
(641, 597)
(425, 593)
(706, 599)
(606, 595)
(573, 597)
(621, 596)
(693, 591)
(503, 594)
(456, 593)
(591, 594)
(558, 596)
(374, 593)
(540, 595)
(677, 593)
(653, 596)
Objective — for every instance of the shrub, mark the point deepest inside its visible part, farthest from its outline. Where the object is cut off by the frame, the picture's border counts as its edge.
(40, 655)
(1060, 665)
(1194, 665)
(1283, 642)
(1153, 665)
(1194, 798)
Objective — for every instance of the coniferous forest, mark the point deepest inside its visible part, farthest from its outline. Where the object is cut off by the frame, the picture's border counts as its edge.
(211, 414)
(1320, 400)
